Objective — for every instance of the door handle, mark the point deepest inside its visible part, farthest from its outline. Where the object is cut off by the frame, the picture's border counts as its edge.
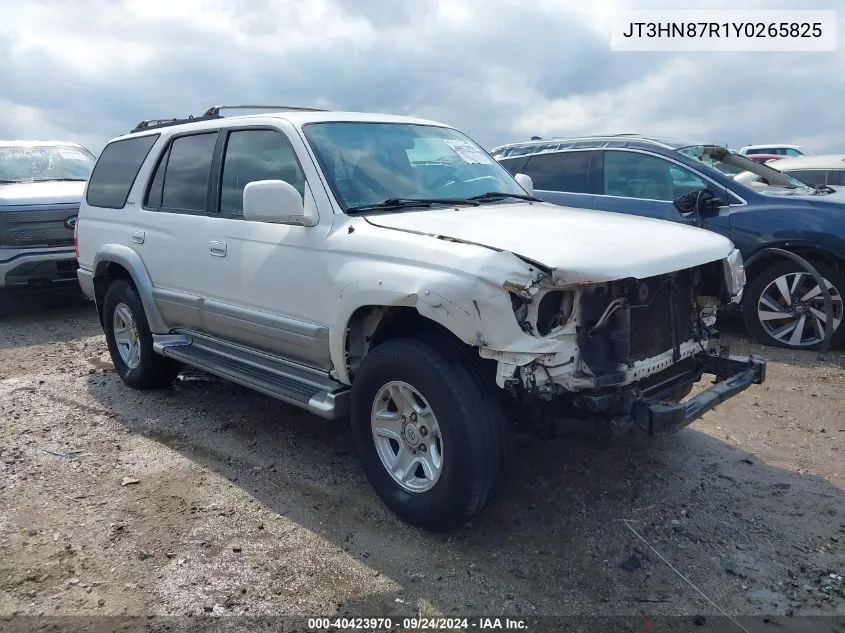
(217, 248)
(138, 237)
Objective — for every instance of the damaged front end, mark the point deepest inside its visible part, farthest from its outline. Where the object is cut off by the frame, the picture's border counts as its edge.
(626, 352)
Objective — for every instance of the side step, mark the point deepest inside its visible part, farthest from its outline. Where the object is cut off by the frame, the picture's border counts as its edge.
(292, 383)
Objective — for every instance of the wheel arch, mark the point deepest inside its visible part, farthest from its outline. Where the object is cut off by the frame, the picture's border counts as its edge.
(767, 255)
(115, 261)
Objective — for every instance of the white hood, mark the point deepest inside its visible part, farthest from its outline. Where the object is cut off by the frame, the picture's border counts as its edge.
(580, 246)
(43, 192)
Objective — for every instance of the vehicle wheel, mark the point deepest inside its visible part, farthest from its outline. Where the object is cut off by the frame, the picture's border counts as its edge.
(784, 306)
(130, 341)
(428, 436)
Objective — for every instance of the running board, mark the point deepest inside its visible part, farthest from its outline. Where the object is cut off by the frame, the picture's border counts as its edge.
(292, 383)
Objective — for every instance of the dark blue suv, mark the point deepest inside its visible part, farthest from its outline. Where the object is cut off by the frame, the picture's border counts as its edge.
(703, 185)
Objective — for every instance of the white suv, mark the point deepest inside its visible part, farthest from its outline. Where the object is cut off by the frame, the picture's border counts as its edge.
(387, 267)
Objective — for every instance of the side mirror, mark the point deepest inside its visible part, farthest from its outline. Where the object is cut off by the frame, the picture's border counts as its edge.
(275, 202)
(526, 183)
(696, 204)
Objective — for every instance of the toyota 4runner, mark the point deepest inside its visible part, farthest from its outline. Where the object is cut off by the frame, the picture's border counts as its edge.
(388, 268)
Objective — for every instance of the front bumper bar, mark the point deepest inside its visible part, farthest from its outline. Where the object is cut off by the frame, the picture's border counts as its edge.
(733, 375)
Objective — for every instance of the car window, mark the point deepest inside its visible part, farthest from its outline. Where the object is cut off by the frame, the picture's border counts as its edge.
(792, 152)
(187, 169)
(116, 170)
(256, 155)
(836, 177)
(513, 165)
(560, 171)
(33, 163)
(810, 176)
(642, 176)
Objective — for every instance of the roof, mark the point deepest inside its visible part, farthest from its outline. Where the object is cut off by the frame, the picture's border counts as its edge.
(588, 142)
(765, 145)
(826, 161)
(22, 143)
(295, 117)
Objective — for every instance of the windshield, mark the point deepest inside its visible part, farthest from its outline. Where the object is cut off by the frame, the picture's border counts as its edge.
(376, 163)
(32, 163)
(738, 167)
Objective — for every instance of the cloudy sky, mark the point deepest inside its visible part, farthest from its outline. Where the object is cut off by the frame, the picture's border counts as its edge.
(501, 70)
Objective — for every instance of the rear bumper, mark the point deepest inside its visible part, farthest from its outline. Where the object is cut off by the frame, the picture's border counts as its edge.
(733, 376)
(26, 268)
(86, 282)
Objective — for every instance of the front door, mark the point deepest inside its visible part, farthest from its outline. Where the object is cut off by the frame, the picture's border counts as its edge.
(638, 183)
(266, 283)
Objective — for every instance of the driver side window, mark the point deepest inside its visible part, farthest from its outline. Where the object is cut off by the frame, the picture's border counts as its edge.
(646, 177)
(256, 155)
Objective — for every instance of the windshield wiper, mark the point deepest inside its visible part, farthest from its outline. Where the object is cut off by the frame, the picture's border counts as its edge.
(406, 203)
(498, 195)
(60, 180)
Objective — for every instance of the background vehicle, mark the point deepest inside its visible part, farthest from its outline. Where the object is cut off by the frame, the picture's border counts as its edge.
(389, 268)
(765, 158)
(775, 149)
(630, 174)
(828, 169)
(41, 185)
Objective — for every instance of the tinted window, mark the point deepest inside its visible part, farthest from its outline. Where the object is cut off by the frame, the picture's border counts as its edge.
(560, 171)
(256, 155)
(792, 152)
(153, 197)
(188, 169)
(513, 165)
(836, 177)
(116, 170)
(810, 176)
(635, 175)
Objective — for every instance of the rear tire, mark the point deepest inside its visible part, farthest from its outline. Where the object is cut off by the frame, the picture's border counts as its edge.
(130, 341)
(764, 299)
(459, 471)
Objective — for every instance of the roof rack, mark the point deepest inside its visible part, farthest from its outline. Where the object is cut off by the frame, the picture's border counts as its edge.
(215, 110)
(214, 113)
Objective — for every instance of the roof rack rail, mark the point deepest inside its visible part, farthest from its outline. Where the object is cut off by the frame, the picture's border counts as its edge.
(151, 124)
(215, 110)
(214, 113)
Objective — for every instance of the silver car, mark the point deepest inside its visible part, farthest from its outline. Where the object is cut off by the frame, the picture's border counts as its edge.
(41, 184)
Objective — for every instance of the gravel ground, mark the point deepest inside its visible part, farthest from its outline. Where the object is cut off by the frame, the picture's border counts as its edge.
(211, 499)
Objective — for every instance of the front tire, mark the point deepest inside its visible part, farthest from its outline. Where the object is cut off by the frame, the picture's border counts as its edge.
(430, 440)
(784, 306)
(130, 341)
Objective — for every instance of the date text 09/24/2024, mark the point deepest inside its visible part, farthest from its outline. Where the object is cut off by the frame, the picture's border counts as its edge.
(416, 624)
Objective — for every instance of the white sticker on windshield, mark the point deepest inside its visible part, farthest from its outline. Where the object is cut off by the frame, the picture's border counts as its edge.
(468, 152)
(70, 153)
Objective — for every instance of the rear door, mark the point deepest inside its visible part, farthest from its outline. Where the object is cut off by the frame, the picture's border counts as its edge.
(563, 177)
(174, 228)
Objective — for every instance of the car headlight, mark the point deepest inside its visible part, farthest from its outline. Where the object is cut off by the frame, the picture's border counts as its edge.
(734, 269)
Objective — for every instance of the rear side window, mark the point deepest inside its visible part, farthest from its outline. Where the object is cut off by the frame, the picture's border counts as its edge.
(560, 171)
(116, 170)
(181, 178)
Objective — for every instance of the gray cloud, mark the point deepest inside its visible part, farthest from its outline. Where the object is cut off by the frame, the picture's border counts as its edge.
(508, 72)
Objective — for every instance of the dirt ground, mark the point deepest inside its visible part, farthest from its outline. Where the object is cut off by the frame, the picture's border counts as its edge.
(211, 499)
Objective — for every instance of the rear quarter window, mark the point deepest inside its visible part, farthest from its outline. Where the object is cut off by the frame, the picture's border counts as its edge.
(116, 171)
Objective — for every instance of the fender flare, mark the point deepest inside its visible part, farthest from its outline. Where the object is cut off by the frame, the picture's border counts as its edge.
(131, 261)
